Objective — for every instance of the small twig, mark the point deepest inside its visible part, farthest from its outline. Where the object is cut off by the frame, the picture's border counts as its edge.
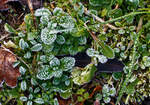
(32, 11)
(3, 37)
(100, 20)
(140, 24)
(122, 17)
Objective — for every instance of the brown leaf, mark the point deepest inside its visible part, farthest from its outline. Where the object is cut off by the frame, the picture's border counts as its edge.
(7, 72)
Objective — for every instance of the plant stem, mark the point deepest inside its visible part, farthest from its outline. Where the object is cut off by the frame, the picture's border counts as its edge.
(121, 17)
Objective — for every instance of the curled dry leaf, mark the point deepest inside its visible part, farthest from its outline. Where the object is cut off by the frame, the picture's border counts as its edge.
(8, 73)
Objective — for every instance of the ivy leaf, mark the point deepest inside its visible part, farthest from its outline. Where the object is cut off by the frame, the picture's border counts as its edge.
(39, 101)
(106, 50)
(36, 47)
(9, 29)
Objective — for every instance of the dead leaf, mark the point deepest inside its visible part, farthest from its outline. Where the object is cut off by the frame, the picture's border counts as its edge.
(8, 74)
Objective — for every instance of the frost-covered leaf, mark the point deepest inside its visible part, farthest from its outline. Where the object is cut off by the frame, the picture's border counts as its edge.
(67, 82)
(121, 31)
(22, 44)
(39, 101)
(106, 99)
(66, 94)
(27, 55)
(45, 73)
(105, 89)
(20, 34)
(29, 103)
(56, 81)
(101, 58)
(36, 90)
(22, 70)
(36, 47)
(99, 2)
(42, 12)
(46, 37)
(10, 44)
(82, 40)
(30, 97)
(51, 25)
(112, 91)
(54, 62)
(67, 63)
(60, 39)
(81, 77)
(48, 48)
(91, 52)
(56, 101)
(57, 73)
(9, 29)
(23, 98)
(57, 11)
(33, 81)
(44, 20)
(67, 22)
(23, 85)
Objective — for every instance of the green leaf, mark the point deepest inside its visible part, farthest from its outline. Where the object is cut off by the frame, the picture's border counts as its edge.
(56, 101)
(23, 85)
(107, 50)
(39, 101)
(117, 75)
(42, 12)
(22, 70)
(36, 47)
(23, 98)
(29, 103)
(22, 44)
(45, 73)
(66, 94)
(120, 1)
(67, 63)
(9, 29)
(86, 95)
(46, 37)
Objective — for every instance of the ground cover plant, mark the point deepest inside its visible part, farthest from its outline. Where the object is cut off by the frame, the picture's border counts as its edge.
(76, 52)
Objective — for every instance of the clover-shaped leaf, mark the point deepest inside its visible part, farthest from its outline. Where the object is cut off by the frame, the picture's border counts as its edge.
(8, 73)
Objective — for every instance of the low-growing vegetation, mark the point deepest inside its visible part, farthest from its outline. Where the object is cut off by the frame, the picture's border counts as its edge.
(76, 52)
